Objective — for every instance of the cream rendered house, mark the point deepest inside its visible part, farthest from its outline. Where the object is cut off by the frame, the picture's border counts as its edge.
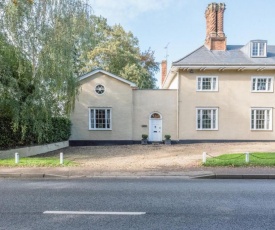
(111, 110)
(219, 92)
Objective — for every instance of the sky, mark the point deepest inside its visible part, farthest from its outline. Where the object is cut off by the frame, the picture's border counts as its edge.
(180, 25)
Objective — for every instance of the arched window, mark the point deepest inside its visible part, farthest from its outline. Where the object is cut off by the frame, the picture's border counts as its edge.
(155, 116)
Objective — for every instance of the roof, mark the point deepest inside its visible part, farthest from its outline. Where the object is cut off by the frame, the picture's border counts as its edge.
(106, 73)
(233, 56)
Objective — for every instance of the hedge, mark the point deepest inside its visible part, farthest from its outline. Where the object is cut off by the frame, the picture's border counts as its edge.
(58, 129)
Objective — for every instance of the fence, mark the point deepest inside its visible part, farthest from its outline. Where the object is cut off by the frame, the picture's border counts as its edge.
(246, 154)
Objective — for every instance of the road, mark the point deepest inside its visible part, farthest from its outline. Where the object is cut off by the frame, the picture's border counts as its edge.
(137, 203)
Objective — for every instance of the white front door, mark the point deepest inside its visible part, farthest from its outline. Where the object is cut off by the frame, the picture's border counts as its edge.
(155, 130)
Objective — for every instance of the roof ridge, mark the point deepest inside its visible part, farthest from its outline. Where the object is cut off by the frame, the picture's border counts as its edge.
(93, 72)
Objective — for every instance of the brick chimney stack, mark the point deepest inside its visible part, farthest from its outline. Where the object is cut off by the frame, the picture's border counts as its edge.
(215, 37)
(163, 71)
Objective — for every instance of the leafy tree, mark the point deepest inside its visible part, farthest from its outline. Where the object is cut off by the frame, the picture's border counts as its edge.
(46, 45)
(118, 52)
(44, 40)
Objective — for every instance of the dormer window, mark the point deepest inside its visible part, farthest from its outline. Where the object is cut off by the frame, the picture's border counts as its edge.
(258, 48)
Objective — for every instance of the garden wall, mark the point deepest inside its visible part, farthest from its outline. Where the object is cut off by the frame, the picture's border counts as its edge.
(33, 150)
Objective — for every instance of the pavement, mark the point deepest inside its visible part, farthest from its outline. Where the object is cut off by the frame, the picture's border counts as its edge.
(188, 173)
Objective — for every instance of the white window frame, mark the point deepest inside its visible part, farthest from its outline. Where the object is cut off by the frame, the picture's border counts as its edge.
(258, 44)
(214, 87)
(257, 78)
(214, 126)
(106, 118)
(267, 126)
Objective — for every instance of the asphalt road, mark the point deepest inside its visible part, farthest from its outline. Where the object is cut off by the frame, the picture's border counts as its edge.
(137, 203)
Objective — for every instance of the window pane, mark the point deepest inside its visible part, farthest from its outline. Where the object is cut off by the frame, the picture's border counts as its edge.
(260, 119)
(206, 119)
(92, 119)
(254, 84)
(214, 119)
(255, 49)
(199, 119)
(261, 49)
(199, 83)
(214, 83)
(155, 115)
(252, 119)
(108, 119)
(100, 119)
(267, 119)
(269, 84)
(206, 83)
(261, 84)
(258, 49)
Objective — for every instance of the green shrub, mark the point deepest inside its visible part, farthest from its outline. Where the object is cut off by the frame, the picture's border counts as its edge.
(57, 129)
(144, 136)
(167, 137)
(7, 136)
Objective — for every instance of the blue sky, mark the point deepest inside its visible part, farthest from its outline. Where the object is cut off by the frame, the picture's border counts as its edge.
(181, 23)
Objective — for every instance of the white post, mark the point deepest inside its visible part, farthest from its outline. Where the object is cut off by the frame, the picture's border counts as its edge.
(204, 157)
(61, 158)
(247, 157)
(16, 158)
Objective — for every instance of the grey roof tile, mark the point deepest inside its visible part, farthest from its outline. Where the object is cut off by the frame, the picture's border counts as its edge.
(232, 56)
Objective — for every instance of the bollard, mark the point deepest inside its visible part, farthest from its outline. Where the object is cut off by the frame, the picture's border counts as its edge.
(16, 158)
(61, 158)
(204, 157)
(247, 157)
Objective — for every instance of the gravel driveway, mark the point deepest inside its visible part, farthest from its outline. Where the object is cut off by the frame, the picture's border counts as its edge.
(156, 156)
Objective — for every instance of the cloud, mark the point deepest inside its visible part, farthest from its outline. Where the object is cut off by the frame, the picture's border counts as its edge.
(118, 11)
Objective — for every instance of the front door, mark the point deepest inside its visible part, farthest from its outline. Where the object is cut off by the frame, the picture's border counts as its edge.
(155, 130)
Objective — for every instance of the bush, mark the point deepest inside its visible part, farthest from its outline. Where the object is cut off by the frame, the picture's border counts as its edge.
(61, 129)
(7, 136)
(167, 137)
(58, 129)
(144, 136)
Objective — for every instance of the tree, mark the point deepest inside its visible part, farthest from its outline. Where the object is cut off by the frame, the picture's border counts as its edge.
(46, 45)
(47, 38)
(118, 52)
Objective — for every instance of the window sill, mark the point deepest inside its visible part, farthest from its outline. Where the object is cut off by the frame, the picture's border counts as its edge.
(261, 130)
(207, 130)
(262, 92)
(207, 90)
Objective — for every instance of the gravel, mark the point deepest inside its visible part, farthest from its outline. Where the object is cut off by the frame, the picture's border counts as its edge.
(155, 156)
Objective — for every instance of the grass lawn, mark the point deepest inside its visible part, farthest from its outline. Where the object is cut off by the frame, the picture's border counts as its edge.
(36, 162)
(238, 160)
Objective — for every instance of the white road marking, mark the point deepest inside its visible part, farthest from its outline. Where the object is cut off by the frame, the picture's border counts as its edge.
(93, 213)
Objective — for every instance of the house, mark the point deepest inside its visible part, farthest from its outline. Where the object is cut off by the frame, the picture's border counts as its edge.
(218, 92)
(111, 110)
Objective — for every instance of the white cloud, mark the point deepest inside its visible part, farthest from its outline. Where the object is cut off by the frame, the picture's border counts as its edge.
(117, 11)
